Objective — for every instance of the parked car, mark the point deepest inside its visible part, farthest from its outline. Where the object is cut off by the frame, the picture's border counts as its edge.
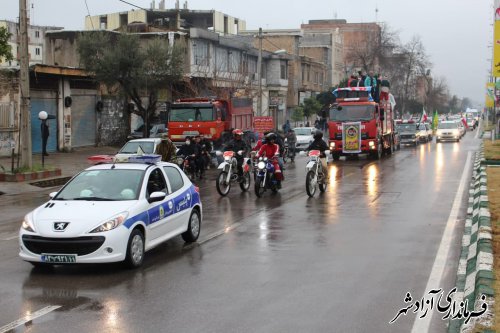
(112, 213)
(137, 146)
(304, 137)
(157, 130)
(448, 131)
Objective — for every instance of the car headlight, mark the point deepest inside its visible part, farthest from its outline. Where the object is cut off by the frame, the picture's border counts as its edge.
(28, 224)
(112, 223)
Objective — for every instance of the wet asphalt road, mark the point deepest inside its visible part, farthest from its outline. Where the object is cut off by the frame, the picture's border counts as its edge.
(340, 262)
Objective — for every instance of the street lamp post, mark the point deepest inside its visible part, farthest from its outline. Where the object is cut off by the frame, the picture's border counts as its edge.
(42, 115)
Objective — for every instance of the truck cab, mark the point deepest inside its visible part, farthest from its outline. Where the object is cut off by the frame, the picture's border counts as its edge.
(359, 125)
(210, 118)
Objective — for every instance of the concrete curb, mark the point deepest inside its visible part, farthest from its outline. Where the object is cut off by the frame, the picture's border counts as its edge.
(475, 270)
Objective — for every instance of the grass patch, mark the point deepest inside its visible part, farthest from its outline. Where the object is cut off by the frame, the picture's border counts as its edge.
(491, 150)
(494, 198)
(35, 168)
(489, 127)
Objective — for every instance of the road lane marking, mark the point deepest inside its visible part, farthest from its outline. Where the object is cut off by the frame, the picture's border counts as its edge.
(422, 325)
(28, 318)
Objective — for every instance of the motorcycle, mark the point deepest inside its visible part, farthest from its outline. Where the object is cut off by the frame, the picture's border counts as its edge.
(187, 164)
(229, 174)
(264, 177)
(288, 152)
(315, 176)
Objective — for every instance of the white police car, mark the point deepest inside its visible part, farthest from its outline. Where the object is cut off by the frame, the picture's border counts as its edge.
(111, 213)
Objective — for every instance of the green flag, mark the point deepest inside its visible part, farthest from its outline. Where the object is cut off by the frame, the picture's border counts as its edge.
(435, 120)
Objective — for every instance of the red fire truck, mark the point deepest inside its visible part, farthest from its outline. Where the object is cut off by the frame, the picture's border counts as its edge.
(211, 118)
(359, 125)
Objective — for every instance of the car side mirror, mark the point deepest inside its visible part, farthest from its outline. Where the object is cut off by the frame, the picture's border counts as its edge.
(157, 196)
(52, 195)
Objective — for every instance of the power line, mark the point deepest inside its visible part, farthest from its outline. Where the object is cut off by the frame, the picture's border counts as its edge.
(131, 4)
(90, 17)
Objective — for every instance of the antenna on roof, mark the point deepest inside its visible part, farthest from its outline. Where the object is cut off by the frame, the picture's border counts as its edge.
(376, 13)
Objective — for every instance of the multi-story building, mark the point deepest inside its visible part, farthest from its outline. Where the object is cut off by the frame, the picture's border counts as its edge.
(36, 43)
(357, 39)
(168, 19)
(325, 47)
(308, 70)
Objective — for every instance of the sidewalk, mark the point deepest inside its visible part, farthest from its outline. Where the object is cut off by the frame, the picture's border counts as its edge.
(69, 163)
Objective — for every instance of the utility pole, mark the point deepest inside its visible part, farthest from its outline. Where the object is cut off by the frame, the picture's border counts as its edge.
(25, 125)
(259, 75)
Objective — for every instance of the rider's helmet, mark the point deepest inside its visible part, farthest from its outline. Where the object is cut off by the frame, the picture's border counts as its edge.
(270, 137)
(318, 135)
(237, 133)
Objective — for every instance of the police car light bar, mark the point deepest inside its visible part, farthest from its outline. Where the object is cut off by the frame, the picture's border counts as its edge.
(147, 159)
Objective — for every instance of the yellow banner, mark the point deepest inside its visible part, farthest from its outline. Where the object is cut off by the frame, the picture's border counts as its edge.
(490, 95)
(351, 133)
(496, 51)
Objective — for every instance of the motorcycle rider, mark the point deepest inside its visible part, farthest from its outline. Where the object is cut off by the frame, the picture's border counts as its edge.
(291, 138)
(198, 159)
(320, 144)
(240, 149)
(166, 149)
(187, 150)
(260, 142)
(271, 150)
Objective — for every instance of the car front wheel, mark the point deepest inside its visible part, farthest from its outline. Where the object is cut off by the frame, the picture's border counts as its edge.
(135, 249)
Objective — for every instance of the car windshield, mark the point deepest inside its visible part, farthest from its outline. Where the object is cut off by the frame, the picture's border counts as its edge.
(353, 113)
(447, 125)
(132, 146)
(407, 127)
(192, 114)
(103, 185)
(302, 131)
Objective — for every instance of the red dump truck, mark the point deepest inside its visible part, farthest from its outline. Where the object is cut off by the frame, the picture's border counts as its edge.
(359, 125)
(212, 118)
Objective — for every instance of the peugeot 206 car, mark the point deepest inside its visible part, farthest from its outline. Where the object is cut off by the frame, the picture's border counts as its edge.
(112, 213)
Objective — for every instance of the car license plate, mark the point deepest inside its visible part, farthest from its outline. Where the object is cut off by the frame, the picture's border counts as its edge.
(59, 258)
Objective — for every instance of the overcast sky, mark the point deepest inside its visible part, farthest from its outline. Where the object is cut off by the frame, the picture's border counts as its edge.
(456, 33)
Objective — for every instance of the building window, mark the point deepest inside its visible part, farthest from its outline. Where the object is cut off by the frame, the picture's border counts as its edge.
(37, 34)
(284, 71)
(37, 51)
(222, 60)
(200, 53)
(252, 65)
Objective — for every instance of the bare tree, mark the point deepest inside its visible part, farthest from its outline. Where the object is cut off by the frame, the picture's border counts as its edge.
(437, 95)
(415, 65)
(374, 50)
(138, 69)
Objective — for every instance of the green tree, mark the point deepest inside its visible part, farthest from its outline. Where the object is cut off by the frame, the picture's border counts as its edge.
(5, 48)
(140, 69)
(311, 107)
(326, 97)
(298, 114)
